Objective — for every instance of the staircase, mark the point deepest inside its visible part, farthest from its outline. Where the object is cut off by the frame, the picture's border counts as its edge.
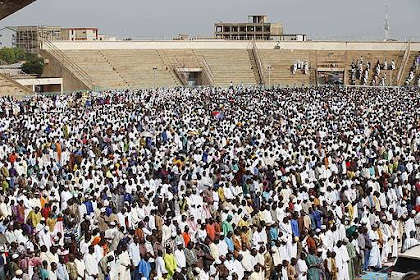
(166, 64)
(256, 63)
(401, 71)
(68, 64)
(113, 68)
(180, 73)
(207, 71)
(313, 62)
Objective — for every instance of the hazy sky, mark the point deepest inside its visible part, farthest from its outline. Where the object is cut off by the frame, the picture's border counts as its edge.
(317, 18)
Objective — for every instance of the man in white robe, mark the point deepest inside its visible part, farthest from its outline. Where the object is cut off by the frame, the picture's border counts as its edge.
(124, 264)
(91, 266)
(375, 255)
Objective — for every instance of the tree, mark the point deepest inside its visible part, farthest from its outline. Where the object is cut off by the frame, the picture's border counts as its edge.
(33, 66)
(14, 55)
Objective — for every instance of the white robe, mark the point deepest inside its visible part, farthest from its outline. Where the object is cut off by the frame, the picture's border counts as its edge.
(124, 266)
(91, 266)
(301, 268)
(160, 267)
(375, 255)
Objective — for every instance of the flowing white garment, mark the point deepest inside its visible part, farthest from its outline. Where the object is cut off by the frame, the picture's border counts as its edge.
(124, 266)
(301, 268)
(375, 255)
(91, 266)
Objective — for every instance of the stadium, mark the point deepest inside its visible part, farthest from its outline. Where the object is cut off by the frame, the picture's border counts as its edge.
(249, 154)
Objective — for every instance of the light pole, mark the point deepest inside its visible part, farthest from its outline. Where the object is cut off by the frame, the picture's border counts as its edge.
(269, 77)
(154, 70)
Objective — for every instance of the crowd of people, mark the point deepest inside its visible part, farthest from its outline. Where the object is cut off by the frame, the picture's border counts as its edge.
(302, 65)
(413, 70)
(361, 71)
(290, 184)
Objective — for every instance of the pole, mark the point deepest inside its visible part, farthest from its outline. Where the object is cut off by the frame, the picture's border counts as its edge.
(154, 70)
(269, 77)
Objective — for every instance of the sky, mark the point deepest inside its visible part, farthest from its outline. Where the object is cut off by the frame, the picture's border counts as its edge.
(319, 19)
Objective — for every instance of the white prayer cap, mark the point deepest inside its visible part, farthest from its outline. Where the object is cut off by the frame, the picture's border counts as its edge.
(112, 223)
(218, 261)
(15, 256)
(323, 227)
(18, 272)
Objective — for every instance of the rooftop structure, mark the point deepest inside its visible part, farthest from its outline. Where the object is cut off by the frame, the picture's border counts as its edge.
(257, 28)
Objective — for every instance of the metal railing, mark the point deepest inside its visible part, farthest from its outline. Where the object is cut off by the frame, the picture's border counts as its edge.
(180, 73)
(207, 71)
(67, 63)
(258, 62)
(403, 64)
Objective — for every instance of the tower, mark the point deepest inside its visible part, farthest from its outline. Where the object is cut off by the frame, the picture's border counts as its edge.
(386, 34)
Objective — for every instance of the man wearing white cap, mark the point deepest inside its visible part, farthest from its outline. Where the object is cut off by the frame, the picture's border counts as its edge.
(18, 274)
(179, 254)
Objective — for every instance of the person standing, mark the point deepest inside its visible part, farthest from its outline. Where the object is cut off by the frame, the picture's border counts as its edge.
(91, 266)
(313, 263)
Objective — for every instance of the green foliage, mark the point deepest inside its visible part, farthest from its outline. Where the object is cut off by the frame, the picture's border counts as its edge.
(33, 66)
(14, 55)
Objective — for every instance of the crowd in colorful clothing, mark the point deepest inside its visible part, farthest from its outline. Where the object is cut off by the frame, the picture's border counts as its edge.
(209, 183)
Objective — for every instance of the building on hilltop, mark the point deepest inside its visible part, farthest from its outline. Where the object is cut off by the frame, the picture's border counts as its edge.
(257, 28)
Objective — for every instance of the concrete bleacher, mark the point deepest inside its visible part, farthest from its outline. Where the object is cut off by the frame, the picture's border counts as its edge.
(373, 57)
(281, 62)
(96, 66)
(181, 58)
(130, 64)
(136, 67)
(229, 66)
(123, 68)
(9, 87)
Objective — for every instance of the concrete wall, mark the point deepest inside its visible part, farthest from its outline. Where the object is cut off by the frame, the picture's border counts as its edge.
(54, 69)
(222, 44)
(7, 38)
